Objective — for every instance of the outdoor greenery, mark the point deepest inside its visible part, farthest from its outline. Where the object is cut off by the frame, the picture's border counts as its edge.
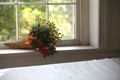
(7, 23)
(61, 15)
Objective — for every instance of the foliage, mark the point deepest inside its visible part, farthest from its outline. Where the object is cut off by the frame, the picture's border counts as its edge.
(44, 35)
(62, 15)
(7, 24)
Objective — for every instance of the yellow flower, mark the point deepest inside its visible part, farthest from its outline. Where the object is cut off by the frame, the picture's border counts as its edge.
(41, 25)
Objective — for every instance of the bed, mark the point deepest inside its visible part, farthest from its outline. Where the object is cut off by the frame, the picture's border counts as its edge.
(103, 69)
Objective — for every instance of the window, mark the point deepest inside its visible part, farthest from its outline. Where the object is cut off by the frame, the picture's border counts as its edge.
(88, 13)
(17, 16)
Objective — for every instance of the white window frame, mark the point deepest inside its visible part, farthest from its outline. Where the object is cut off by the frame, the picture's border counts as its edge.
(84, 27)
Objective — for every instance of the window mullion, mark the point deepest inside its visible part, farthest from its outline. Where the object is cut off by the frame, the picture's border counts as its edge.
(17, 31)
(47, 10)
(74, 20)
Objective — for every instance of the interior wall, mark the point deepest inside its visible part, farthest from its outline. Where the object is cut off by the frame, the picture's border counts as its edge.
(109, 24)
(114, 24)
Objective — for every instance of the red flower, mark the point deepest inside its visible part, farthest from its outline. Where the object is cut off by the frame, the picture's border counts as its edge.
(43, 50)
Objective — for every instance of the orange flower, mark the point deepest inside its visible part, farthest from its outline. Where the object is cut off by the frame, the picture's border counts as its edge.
(30, 40)
(31, 37)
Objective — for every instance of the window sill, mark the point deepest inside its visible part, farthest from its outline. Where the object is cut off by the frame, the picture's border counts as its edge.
(18, 58)
(66, 48)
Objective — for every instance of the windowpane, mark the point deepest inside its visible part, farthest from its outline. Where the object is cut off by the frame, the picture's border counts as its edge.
(63, 17)
(7, 23)
(7, 0)
(61, 0)
(61, 14)
(31, 0)
(27, 15)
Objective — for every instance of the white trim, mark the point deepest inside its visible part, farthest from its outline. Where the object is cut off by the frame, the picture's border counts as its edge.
(94, 23)
(104, 24)
(17, 29)
(41, 3)
(45, 3)
(47, 10)
(6, 3)
(84, 22)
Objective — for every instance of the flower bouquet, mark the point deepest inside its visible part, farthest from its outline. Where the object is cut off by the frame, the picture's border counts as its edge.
(44, 36)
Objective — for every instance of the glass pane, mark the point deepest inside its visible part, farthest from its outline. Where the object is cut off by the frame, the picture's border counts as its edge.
(27, 15)
(61, 1)
(7, 23)
(31, 0)
(63, 17)
(7, 0)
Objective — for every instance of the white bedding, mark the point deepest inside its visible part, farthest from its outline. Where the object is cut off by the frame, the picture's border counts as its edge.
(104, 69)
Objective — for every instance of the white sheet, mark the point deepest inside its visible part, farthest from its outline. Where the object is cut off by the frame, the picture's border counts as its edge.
(104, 69)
